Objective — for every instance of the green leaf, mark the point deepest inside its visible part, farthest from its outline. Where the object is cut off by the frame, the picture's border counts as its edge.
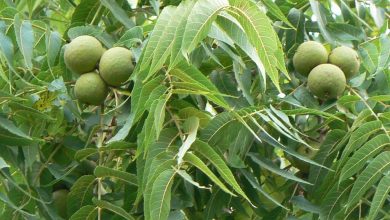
(189, 74)
(380, 98)
(187, 177)
(275, 11)
(255, 184)
(182, 19)
(85, 12)
(191, 125)
(199, 22)
(358, 138)
(131, 37)
(207, 152)
(380, 196)
(198, 163)
(306, 111)
(216, 203)
(141, 92)
(296, 36)
(25, 39)
(153, 124)
(113, 208)
(261, 34)
(102, 172)
(363, 155)
(321, 19)
(7, 48)
(164, 46)
(374, 171)
(188, 112)
(32, 112)
(10, 204)
(266, 164)
(88, 212)
(53, 46)
(160, 201)
(385, 53)
(118, 13)
(167, 137)
(159, 116)
(333, 201)
(12, 135)
(370, 56)
(345, 32)
(111, 147)
(3, 164)
(80, 194)
(163, 161)
(304, 204)
(159, 42)
(325, 158)
(229, 27)
(11, 128)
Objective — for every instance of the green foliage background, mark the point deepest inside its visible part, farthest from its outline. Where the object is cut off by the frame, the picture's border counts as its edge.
(210, 121)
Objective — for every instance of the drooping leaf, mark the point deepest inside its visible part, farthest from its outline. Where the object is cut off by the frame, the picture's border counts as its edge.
(80, 194)
(260, 33)
(359, 137)
(25, 39)
(159, 41)
(53, 46)
(160, 200)
(374, 171)
(85, 12)
(189, 74)
(162, 162)
(192, 125)
(380, 196)
(88, 212)
(12, 135)
(207, 152)
(266, 164)
(198, 163)
(275, 11)
(231, 29)
(254, 183)
(118, 12)
(113, 208)
(7, 48)
(199, 22)
(334, 200)
(363, 155)
(102, 172)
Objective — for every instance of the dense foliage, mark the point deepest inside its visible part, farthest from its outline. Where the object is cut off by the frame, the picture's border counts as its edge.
(214, 122)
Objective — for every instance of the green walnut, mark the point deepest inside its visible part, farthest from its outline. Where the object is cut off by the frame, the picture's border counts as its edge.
(91, 89)
(326, 81)
(60, 202)
(116, 66)
(82, 54)
(347, 59)
(309, 55)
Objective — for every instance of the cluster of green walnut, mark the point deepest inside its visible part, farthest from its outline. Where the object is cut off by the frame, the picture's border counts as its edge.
(98, 68)
(327, 73)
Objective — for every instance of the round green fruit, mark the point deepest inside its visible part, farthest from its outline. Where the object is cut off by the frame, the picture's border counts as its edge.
(60, 202)
(116, 66)
(309, 55)
(82, 54)
(91, 89)
(326, 81)
(347, 59)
